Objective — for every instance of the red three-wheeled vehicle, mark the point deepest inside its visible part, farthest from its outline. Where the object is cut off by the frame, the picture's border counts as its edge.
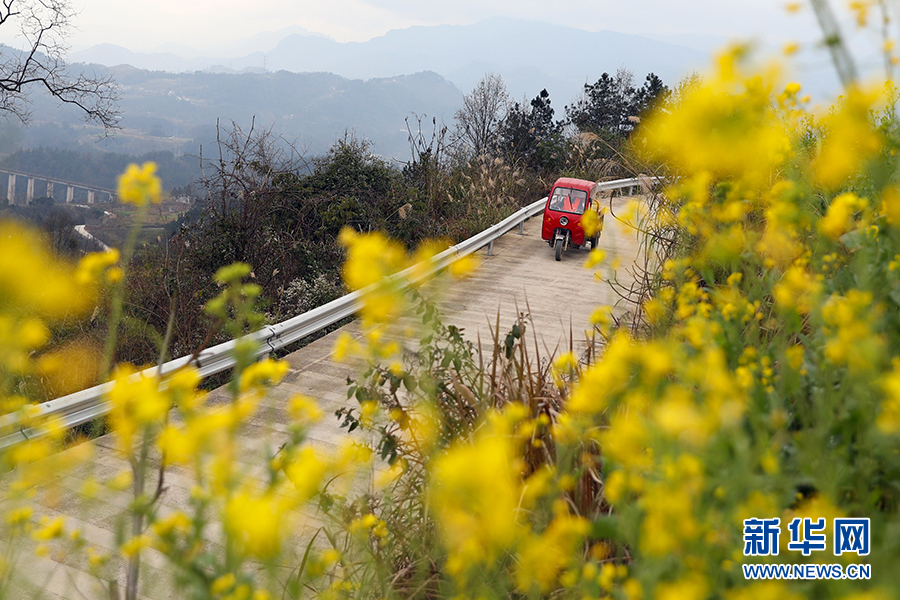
(568, 202)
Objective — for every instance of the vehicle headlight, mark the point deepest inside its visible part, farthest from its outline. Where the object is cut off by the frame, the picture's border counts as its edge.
(563, 221)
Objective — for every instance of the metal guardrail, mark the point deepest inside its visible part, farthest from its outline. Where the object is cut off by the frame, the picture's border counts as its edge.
(86, 405)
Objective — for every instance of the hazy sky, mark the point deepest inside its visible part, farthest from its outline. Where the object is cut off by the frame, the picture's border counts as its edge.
(148, 25)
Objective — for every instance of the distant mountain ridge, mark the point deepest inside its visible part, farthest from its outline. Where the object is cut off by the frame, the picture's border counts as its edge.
(529, 55)
(178, 112)
(310, 88)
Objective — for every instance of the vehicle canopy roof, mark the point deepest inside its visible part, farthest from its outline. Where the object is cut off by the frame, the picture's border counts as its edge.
(578, 184)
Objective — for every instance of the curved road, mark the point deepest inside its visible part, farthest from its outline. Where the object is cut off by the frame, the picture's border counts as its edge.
(83, 232)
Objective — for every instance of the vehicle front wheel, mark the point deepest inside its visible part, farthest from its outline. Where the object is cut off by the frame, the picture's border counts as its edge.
(559, 245)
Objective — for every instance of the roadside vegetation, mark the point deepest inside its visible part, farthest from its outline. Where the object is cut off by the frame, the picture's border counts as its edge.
(759, 380)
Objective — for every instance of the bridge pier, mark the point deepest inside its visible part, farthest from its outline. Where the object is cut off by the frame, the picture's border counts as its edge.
(11, 189)
(50, 185)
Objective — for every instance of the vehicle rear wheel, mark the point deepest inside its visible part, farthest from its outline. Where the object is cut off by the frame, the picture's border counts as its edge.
(559, 245)
(595, 240)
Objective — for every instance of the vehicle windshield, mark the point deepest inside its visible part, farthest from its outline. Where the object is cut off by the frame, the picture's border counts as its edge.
(568, 200)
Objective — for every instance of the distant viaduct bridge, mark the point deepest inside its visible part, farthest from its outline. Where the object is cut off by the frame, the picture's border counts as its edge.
(51, 185)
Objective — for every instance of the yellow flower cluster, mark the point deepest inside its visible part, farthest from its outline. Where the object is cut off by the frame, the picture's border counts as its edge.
(476, 491)
(35, 283)
(726, 127)
(137, 403)
(850, 140)
(256, 521)
(771, 329)
(481, 500)
(140, 185)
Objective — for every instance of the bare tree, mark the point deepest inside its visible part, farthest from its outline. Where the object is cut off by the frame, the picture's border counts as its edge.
(39, 63)
(247, 187)
(483, 109)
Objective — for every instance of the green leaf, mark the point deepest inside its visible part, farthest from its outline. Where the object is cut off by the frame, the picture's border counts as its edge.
(604, 528)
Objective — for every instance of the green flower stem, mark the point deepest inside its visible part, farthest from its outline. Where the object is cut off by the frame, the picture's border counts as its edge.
(118, 293)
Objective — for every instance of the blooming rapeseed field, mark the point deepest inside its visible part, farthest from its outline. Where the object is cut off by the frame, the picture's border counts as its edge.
(760, 386)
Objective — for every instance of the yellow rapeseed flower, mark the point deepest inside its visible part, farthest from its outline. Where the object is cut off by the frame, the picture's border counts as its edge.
(50, 529)
(178, 445)
(140, 185)
(306, 471)
(790, 48)
(255, 522)
(888, 419)
(591, 222)
(304, 410)
(19, 516)
(679, 417)
(94, 264)
(370, 258)
(36, 283)
(725, 126)
(475, 498)
(595, 257)
(626, 439)
(565, 364)
(851, 340)
(850, 139)
(838, 218)
(262, 373)
(137, 402)
(693, 586)
(860, 8)
(464, 266)
(133, 546)
(797, 289)
(605, 377)
(542, 557)
(345, 346)
(70, 367)
(175, 522)
(223, 584)
(890, 205)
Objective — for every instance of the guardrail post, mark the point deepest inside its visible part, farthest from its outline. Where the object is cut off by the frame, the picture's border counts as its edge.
(522, 228)
(490, 248)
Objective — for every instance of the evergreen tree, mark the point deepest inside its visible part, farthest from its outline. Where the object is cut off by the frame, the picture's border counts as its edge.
(531, 135)
(612, 106)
